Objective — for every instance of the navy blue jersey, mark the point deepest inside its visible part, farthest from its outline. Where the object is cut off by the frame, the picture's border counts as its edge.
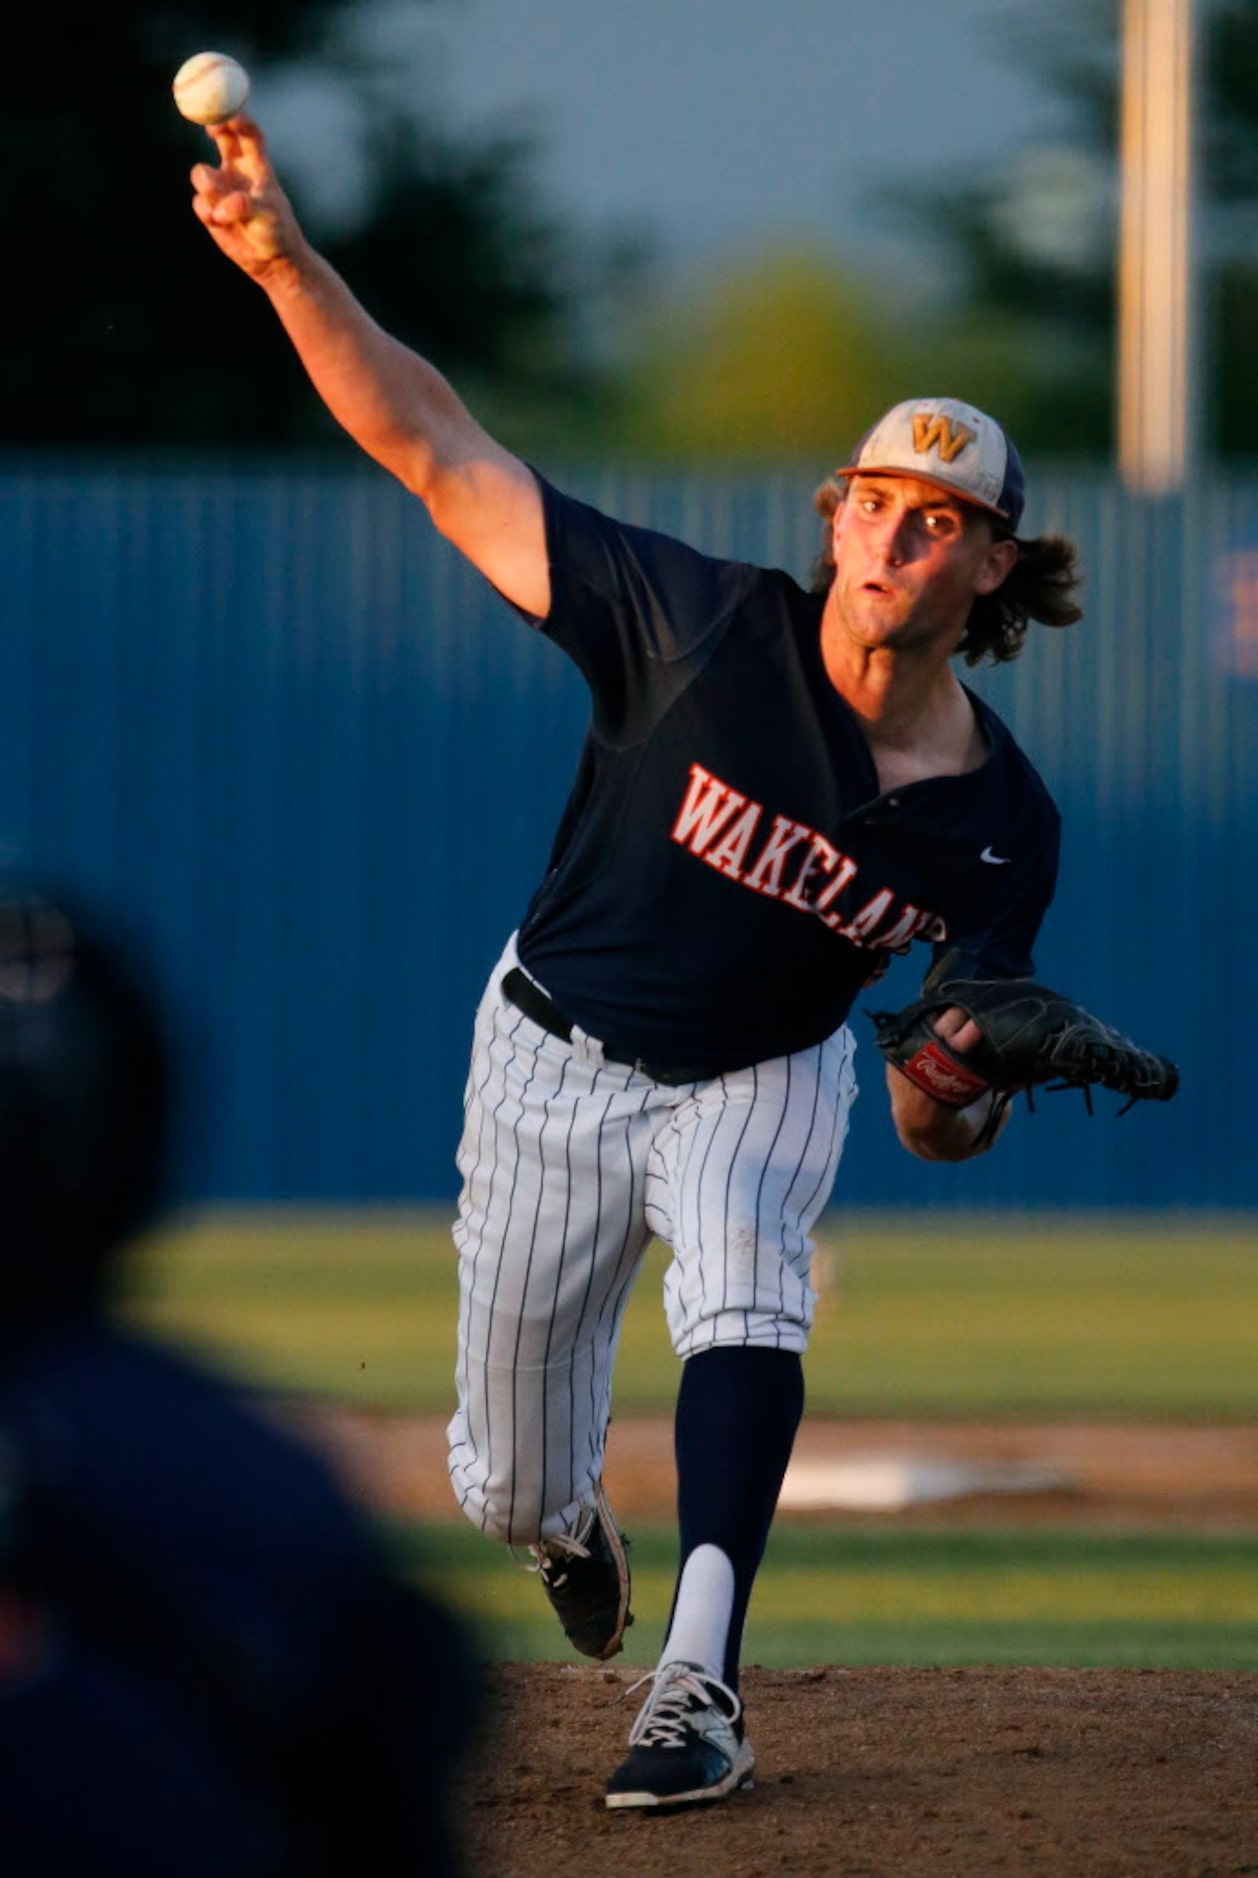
(232, 1677)
(728, 873)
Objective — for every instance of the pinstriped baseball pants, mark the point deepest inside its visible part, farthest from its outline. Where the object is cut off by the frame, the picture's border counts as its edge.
(569, 1166)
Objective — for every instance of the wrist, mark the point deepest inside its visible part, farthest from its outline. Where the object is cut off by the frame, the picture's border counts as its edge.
(934, 1131)
(287, 276)
(948, 1135)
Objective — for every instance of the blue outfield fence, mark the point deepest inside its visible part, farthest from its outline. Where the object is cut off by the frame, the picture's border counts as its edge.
(315, 763)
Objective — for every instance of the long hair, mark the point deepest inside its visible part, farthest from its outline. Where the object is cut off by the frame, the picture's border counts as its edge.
(1042, 585)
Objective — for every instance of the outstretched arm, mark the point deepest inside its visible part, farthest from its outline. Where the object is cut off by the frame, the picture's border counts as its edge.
(392, 402)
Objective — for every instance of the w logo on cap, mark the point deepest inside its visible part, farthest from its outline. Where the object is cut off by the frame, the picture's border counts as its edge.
(964, 451)
(934, 431)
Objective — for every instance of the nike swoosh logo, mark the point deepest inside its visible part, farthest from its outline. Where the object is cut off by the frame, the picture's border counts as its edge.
(995, 860)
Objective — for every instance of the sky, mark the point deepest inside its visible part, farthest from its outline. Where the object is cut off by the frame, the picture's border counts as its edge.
(715, 128)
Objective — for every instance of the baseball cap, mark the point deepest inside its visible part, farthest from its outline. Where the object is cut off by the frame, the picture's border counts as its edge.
(950, 443)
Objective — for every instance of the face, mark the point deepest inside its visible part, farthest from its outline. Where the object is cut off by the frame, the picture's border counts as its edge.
(910, 560)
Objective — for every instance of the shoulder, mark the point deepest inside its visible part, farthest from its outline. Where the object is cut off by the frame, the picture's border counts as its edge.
(103, 1417)
(90, 1358)
(571, 515)
(640, 580)
(607, 511)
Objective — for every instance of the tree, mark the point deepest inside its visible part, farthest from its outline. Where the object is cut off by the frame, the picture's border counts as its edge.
(1230, 155)
(1035, 244)
(124, 325)
(780, 357)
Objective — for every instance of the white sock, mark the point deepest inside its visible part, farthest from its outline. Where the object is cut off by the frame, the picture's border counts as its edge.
(705, 1603)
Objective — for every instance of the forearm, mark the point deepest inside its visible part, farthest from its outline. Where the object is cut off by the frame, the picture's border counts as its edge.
(933, 1132)
(392, 402)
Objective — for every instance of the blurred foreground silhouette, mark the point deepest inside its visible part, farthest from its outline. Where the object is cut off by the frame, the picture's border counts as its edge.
(206, 1664)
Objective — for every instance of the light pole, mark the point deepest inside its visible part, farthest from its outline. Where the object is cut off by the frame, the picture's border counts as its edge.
(1157, 338)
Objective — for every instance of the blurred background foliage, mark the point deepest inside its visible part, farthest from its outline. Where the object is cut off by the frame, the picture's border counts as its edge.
(1034, 247)
(128, 329)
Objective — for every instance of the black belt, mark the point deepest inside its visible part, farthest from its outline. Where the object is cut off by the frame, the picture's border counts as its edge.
(533, 1001)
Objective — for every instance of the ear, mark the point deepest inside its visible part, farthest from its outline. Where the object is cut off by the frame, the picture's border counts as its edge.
(998, 563)
(835, 520)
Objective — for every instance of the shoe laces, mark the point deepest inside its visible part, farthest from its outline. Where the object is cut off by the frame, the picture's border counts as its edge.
(664, 1718)
(549, 1556)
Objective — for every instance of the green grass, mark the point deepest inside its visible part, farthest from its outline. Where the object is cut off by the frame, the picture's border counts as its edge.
(1137, 1316)
(871, 1596)
(357, 1307)
(1000, 1315)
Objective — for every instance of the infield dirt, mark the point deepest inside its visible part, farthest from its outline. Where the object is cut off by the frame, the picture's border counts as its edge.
(888, 1773)
(883, 1773)
(1145, 1474)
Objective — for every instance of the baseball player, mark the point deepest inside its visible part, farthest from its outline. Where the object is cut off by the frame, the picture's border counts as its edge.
(778, 790)
(207, 1663)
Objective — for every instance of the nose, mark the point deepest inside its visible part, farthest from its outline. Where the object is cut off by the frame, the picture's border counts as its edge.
(893, 537)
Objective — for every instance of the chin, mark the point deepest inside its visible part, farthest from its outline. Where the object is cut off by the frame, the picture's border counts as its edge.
(880, 631)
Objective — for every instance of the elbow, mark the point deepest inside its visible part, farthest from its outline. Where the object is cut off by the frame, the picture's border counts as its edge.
(419, 470)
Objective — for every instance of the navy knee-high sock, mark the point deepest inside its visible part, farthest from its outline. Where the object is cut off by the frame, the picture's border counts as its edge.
(737, 1413)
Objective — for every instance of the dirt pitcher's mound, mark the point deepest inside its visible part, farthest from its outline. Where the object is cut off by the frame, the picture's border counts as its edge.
(1118, 1473)
(887, 1773)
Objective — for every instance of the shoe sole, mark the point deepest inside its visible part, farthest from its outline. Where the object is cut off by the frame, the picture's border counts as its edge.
(616, 1546)
(740, 1775)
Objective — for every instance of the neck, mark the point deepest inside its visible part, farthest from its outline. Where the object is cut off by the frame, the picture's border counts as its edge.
(893, 690)
(914, 713)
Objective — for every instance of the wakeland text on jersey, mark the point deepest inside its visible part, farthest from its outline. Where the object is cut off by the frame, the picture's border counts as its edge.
(725, 828)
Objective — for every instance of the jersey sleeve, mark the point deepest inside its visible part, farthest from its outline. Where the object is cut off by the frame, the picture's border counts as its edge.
(632, 608)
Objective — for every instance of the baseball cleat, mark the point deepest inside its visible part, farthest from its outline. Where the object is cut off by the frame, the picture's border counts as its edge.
(585, 1574)
(686, 1746)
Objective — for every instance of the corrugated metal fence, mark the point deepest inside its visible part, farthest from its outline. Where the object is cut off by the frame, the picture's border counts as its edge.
(317, 764)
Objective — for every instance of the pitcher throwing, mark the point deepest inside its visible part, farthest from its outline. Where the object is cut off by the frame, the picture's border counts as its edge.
(779, 788)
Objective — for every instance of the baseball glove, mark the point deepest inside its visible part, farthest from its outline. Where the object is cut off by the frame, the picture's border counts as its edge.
(1031, 1036)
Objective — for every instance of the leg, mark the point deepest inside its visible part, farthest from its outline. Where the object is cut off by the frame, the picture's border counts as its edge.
(746, 1173)
(551, 1232)
(751, 1178)
(745, 1406)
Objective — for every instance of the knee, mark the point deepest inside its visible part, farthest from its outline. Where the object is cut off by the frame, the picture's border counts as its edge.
(498, 1520)
(517, 1496)
(508, 1512)
(492, 1512)
(496, 1506)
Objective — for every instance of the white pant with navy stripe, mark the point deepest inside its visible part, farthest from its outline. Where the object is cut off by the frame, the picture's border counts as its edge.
(569, 1166)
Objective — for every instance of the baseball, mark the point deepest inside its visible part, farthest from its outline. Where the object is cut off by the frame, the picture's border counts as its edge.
(209, 87)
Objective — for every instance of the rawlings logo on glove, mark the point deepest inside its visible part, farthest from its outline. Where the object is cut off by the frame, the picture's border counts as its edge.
(1029, 1036)
(935, 1069)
